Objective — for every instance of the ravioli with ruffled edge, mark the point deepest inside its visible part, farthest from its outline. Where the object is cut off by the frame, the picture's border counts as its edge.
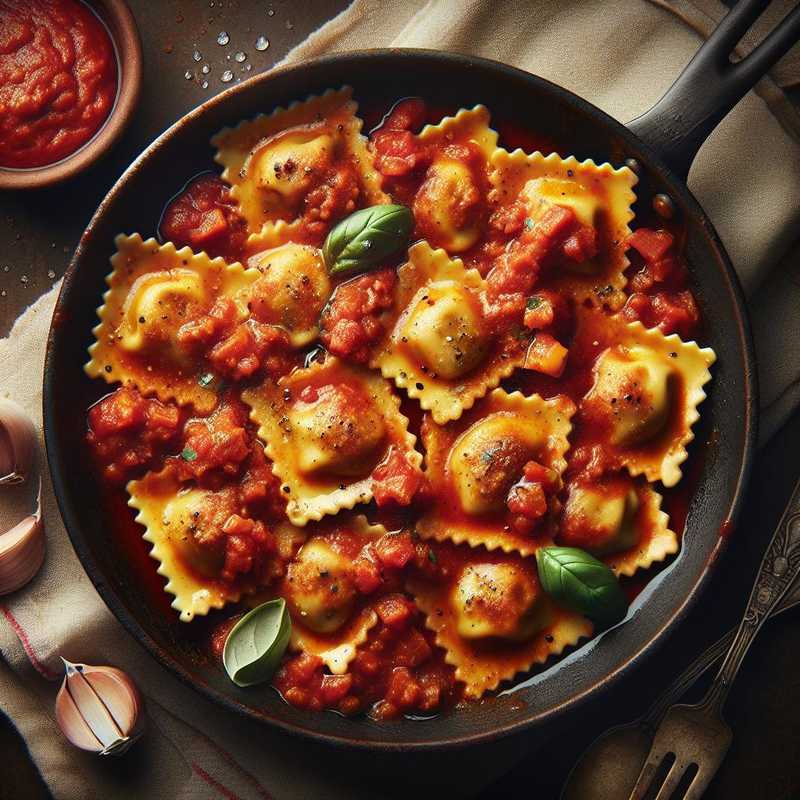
(474, 462)
(183, 522)
(153, 290)
(491, 616)
(449, 206)
(438, 346)
(619, 520)
(273, 161)
(644, 397)
(600, 196)
(330, 619)
(326, 428)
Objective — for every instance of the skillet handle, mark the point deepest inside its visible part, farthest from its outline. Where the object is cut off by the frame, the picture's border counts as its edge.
(711, 85)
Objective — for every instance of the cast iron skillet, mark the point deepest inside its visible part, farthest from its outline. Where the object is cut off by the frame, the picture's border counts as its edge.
(663, 141)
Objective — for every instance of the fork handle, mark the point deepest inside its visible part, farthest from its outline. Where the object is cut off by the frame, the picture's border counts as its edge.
(779, 568)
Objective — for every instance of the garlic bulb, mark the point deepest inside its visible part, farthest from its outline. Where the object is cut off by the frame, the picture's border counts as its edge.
(99, 708)
(17, 443)
(22, 550)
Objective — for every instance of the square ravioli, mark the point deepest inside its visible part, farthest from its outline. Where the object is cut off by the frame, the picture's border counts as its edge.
(643, 400)
(491, 616)
(617, 519)
(154, 291)
(496, 472)
(599, 197)
(306, 164)
(332, 430)
(189, 528)
(439, 345)
(450, 205)
(330, 617)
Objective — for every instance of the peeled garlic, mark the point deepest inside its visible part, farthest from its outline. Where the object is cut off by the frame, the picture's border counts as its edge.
(17, 443)
(22, 550)
(99, 708)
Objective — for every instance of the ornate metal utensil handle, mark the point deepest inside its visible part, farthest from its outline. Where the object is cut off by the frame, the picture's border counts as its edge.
(779, 568)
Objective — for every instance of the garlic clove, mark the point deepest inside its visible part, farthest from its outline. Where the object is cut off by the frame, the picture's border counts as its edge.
(17, 443)
(22, 550)
(99, 708)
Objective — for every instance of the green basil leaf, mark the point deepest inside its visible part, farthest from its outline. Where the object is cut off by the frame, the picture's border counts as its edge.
(364, 239)
(577, 580)
(256, 643)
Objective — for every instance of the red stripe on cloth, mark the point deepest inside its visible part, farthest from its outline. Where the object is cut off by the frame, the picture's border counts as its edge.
(41, 668)
(226, 756)
(236, 765)
(213, 783)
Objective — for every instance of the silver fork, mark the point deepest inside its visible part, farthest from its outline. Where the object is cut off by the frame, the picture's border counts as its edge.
(696, 736)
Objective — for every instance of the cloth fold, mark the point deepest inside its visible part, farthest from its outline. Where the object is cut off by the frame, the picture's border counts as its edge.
(620, 55)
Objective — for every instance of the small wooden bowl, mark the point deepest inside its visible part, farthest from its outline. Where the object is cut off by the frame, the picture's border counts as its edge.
(119, 20)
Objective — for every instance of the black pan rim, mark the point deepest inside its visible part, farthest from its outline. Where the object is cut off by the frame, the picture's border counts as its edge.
(742, 332)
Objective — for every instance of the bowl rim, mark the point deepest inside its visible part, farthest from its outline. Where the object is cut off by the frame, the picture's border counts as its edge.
(118, 20)
(679, 609)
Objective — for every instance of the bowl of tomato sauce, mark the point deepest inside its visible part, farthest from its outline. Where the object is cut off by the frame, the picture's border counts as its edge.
(70, 76)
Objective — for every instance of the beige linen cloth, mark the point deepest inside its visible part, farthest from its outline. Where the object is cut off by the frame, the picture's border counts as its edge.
(621, 55)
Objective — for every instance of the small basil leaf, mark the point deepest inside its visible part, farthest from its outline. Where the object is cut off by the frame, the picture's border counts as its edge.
(256, 643)
(364, 239)
(577, 580)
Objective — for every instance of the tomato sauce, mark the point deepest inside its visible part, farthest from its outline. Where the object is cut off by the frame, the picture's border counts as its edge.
(204, 217)
(58, 80)
(398, 670)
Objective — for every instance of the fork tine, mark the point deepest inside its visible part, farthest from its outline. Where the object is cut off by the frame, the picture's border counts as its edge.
(700, 782)
(649, 771)
(672, 780)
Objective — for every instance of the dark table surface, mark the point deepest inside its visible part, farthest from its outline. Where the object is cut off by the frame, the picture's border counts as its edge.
(38, 232)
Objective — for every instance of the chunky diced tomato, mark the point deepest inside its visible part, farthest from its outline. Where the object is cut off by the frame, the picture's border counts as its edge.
(412, 649)
(334, 688)
(302, 668)
(250, 348)
(396, 479)
(582, 245)
(128, 432)
(366, 575)
(120, 411)
(398, 152)
(527, 500)
(408, 114)
(403, 691)
(351, 323)
(204, 217)
(671, 312)
(651, 244)
(198, 334)
(394, 610)
(219, 442)
(333, 198)
(504, 312)
(539, 313)
(517, 270)
(508, 220)
(395, 550)
(546, 355)
(367, 663)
